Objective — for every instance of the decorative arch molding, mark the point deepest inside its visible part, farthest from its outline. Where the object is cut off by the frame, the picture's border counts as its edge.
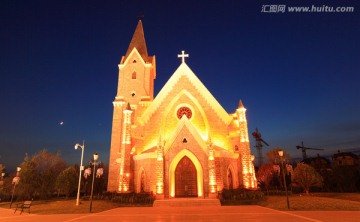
(199, 172)
(138, 187)
(234, 174)
(170, 108)
(184, 70)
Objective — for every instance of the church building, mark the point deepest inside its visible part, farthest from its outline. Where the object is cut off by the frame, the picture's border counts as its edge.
(181, 143)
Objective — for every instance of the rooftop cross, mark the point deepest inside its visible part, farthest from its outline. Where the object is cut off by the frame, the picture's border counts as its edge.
(182, 56)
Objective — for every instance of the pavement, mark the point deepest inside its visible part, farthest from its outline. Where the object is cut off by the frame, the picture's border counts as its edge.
(188, 214)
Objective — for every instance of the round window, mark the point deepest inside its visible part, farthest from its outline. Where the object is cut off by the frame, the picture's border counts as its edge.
(184, 111)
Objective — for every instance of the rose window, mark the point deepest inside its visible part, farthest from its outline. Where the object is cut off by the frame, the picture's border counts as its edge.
(184, 111)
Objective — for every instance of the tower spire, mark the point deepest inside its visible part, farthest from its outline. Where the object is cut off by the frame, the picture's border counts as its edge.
(138, 42)
(240, 104)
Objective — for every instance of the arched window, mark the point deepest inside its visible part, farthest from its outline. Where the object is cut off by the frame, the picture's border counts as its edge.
(142, 182)
(133, 75)
(230, 180)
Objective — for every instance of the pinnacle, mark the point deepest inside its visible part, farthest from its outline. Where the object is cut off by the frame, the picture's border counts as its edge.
(241, 104)
(128, 107)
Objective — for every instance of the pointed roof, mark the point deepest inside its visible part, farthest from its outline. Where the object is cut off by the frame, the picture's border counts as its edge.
(128, 107)
(138, 42)
(240, 104)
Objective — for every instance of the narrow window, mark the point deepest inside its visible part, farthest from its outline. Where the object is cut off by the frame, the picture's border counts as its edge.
(142, 182)
(133, 76)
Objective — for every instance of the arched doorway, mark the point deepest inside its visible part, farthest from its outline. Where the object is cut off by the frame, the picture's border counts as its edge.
(185, 178)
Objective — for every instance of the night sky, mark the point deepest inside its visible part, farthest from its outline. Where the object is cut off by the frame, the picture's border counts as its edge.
(298, 74)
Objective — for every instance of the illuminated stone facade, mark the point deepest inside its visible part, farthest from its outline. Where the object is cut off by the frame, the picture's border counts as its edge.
(181, 143)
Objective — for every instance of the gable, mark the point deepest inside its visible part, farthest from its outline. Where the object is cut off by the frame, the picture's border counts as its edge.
(134, 54)
(185, 71)
(185, 125)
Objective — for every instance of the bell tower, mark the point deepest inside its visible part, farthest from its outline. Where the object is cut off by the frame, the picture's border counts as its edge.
(136, 71)
(135, 91)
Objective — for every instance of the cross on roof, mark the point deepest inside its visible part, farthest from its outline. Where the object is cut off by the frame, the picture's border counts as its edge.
(182, 56)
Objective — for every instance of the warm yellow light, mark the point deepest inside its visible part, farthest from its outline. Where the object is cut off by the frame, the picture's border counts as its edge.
(247, 184)
(212, 189)
(281, 153)
(159, 155)
(159, 188)
(211, 154)
(218, 142)
(132, 150)
(153, 143)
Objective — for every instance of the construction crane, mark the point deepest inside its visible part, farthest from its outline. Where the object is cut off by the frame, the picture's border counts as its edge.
(259, 145)
(303, 149)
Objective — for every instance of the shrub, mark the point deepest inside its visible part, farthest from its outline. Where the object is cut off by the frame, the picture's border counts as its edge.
(127, 198)
(239, 196)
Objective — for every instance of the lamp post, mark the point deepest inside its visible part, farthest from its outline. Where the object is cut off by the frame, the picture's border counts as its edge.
(81, 168)
(281, 154)
(2, 179)
(96, 156)
(15, 182)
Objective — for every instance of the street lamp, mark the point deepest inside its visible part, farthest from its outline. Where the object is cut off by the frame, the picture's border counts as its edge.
(81, 168)
(15, 181)
(96, 156)
(281, 154)
(2, 179)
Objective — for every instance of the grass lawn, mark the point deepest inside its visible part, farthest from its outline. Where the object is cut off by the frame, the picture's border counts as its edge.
(68, 206)
(315, 202)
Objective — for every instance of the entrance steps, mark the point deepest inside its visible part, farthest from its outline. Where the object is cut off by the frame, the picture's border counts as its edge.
(186, 202)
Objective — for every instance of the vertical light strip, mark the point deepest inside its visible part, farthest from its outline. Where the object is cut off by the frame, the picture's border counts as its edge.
(249, 179)
(126, 141)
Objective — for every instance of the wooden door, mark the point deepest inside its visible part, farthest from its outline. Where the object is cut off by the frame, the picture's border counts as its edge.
(185, 178)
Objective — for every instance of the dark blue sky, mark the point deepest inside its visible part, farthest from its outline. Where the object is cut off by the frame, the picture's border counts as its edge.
(298, 74)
